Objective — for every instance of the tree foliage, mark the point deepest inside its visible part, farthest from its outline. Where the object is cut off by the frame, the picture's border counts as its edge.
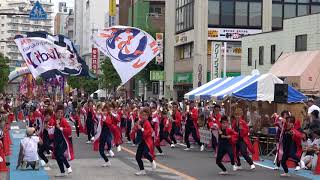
(4, 72)
(109, 78)
(89, 85)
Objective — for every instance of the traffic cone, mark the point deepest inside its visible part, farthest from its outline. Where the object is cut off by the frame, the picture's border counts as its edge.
(317, 169)
(3, 167)
(256, 154)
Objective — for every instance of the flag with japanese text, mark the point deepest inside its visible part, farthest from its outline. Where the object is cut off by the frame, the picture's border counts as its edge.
(130, 49)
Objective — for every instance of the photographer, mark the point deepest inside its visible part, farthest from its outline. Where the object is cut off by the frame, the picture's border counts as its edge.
(28, 155)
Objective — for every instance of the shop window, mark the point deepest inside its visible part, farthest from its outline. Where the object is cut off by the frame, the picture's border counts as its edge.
(155, 88)
(273, 54)
(315, 9)
(184, 15)
(303, 9)
(227, 13)
(301, 42)
(255, 14)
(261, 55)
(249, 56)
(277, 17)
(186, 51)
(213, 12)
(241, 13)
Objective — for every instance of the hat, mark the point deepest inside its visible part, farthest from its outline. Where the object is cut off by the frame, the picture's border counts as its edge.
(30, 131)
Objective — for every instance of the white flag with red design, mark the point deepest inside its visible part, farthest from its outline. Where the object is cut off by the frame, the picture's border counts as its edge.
(130, 49)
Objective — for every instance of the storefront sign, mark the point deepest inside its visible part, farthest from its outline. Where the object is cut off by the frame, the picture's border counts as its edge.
(232, 50)
(95, 57)
(183, 78)
(215, 59)
(228, 34)
(156, 75)
(112, 8)
(159, 39)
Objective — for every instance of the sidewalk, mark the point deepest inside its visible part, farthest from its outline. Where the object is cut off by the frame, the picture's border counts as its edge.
(17, 134)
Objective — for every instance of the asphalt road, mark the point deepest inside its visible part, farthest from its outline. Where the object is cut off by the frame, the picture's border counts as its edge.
(175, 164)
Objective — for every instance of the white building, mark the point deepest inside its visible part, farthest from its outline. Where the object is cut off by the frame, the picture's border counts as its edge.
(61, 18)
(90, 16)
(12, 25)
(261, 51)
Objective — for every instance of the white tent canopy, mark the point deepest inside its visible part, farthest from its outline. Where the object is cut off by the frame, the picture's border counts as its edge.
(100, 92)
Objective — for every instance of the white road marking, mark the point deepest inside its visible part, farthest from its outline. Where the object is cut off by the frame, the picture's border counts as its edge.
(181, 144)
(258, 164)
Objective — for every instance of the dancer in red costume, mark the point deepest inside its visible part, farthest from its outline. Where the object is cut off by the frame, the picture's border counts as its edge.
(146, 147)
(61, 135)
(243, 143)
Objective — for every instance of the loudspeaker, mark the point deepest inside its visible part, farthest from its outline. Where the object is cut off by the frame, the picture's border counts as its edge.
(281, 93)
(95, 95)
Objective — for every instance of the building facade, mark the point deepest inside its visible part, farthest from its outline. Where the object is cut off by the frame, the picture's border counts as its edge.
(10, 26)
(261, 51)
(199, 23)
(61, 18)
(90, 16)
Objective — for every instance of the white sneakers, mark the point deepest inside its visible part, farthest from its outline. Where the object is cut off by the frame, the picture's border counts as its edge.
(172, 146)
(276, 168)
(252, 167)
(129, 142)
(107, 164)
(223, 173)
(234, 167)
(154, 165)
(92, 139)
(201, 147)
(297, 168)
(141, 173)
(88, 142)
(69, 170)
(160, 154)
(119, 148)
(111, 153)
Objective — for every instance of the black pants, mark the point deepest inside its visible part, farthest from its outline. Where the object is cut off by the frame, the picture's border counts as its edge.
(128, 130)
(175, 130)
(105, 137)
(163, 136)
(213, 142)
(285, 157)
(191, 130)
(222, 150)
(61, 159)
(143, 150)
(90, 129)
(242, 148)
(42, 149)
(76, 124)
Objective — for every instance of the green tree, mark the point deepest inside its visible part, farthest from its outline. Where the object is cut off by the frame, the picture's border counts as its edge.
(109, 78)
(89, 85)
(4, 72)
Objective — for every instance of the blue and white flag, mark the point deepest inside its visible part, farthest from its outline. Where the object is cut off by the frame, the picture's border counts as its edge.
(130, 49)
(49, 55)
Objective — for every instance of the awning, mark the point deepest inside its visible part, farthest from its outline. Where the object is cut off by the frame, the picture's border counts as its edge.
(301, 69)
(252, 88)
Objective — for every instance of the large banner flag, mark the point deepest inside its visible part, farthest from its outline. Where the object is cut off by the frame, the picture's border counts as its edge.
(49, 55)
(130, 49)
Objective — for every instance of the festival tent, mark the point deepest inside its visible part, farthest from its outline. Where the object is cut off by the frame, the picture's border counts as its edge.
(18, 72)
(251, 88)
(300, 69)
(100, 93)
